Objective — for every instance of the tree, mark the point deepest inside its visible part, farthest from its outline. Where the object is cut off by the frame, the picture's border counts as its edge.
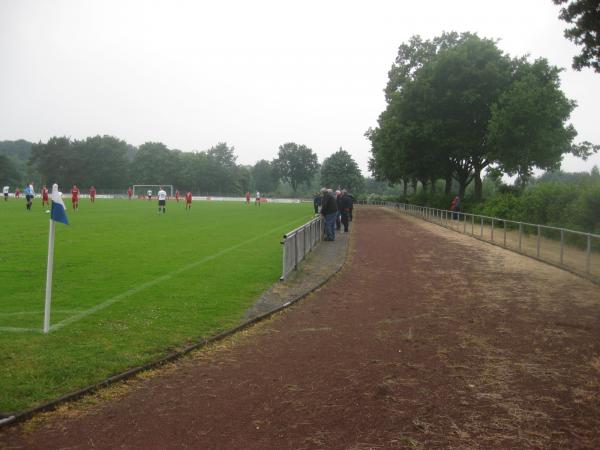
(9, 173)
(528, 127)
(105, 161)
(296, 164)
(153, 163)
(55, 162)
(265, 177)
(340, 170)
(585, 17)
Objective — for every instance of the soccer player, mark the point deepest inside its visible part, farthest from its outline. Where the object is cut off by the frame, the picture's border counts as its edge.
(45, 196)
(162, 200)
(177, 195)
(257, 201)
(247, 197)
(92, 193)
(129, 192)
(188, 201)
(149, 194)
(17, 193)
(5, 190)
(75, 197)
(29, 194)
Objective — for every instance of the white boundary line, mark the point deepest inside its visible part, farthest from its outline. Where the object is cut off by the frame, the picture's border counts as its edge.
(146, 285)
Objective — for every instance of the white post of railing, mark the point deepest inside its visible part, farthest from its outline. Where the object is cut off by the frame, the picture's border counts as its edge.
(588, 254)
(472, 224)
(538, 243)
(520, 235)
(504, 233)
(562, 245)
(296, 250)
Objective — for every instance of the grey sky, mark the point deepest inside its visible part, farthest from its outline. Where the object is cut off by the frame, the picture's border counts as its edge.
(253, 74)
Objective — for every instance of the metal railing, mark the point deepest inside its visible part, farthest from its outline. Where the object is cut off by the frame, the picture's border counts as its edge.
(573, 250)
(299, 242)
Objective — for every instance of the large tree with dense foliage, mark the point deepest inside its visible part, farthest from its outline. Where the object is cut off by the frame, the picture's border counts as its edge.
(340, 170)
(584, 15)
(296, 164)
(264, 176)
(463, 109)
(9, 173)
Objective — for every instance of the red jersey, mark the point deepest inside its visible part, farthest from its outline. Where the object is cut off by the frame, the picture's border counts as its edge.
(177, 195)
(92, 192)
(45, 194)
(129, 192)
(17, 192)
(75, 194)
(188, 197)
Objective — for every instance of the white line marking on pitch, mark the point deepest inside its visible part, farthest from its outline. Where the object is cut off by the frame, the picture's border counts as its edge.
(155, 281)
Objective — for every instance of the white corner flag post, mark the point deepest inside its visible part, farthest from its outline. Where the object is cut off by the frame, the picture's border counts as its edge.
(57, 214)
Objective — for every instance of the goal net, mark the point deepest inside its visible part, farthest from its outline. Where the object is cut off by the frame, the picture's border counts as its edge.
(141, 190)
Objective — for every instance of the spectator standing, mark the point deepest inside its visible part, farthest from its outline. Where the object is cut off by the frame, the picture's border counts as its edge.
(329, 213)
(346, 209)
(455, 207)
(317, 202)
(338, 218)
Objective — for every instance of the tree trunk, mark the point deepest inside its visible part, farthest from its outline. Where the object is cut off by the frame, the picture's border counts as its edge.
(433, 187)
(414, 185)
(448, 187)
(405, 187)
(424, 184)
(478, 186)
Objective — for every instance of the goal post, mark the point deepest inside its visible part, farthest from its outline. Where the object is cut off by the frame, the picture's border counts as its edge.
(142, 189)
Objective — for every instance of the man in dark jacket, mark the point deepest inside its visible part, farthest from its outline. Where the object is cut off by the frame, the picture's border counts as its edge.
(345, 209)
(317, 202)
(329, 213)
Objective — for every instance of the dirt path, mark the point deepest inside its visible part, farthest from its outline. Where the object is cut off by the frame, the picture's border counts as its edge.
(427, 339)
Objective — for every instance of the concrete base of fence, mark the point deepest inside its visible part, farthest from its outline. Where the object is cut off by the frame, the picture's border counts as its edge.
(324, 261)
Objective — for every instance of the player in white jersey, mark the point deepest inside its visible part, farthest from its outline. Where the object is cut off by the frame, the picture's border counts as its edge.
(162, 200)
(5, 192)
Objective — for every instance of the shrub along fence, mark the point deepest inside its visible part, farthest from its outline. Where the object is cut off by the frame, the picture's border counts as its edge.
(568, 249)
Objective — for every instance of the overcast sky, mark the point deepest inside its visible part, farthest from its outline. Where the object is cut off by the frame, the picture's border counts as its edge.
(254, 74)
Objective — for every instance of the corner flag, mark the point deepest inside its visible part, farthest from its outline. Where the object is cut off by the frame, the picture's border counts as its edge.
(57, 214)
(59, 211)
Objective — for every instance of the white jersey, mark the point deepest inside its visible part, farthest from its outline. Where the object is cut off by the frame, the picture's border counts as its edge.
(162, 195)
(149, 193)
(5, 189)
(257, 194)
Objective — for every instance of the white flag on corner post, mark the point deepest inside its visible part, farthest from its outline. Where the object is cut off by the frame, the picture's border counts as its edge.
(58, 213)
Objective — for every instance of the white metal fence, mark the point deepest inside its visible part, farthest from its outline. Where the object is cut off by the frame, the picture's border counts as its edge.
(299, 242)
(573, 250)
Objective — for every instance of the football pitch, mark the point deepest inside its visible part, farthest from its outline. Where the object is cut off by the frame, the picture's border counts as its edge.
(129, 285)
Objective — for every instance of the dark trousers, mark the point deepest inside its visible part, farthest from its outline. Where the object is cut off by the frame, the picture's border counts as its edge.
(345, 217)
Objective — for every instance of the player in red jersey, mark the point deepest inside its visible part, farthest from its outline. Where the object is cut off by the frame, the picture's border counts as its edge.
(75, 197)
(17, 193)
(188, 201)
(177, 195)
(247, 197)
(45, 196)
(92, 193)
(129, 192)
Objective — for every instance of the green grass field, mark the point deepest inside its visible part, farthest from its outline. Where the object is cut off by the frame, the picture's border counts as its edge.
(129, 285)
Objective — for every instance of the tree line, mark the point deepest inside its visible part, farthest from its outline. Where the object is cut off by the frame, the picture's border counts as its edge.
(111, 164)
(458, 106)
